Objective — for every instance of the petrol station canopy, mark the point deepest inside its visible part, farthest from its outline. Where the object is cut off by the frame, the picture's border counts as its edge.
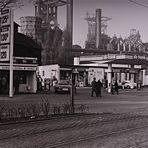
(129, 59)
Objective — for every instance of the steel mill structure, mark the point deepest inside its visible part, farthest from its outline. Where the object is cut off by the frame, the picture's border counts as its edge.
(97, 28)
(43, 27)
(47, 10)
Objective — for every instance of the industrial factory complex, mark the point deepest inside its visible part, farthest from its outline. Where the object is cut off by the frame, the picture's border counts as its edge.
(45, 51)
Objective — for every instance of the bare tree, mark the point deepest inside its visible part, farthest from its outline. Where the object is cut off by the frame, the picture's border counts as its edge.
(14, 3)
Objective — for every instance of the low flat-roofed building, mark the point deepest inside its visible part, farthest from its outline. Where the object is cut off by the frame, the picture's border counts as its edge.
(27, 56)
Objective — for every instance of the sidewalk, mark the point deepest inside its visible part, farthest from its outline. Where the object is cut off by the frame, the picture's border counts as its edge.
(126, 101)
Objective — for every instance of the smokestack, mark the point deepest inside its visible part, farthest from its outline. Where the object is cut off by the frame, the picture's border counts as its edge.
(69, 25)
(98, 28)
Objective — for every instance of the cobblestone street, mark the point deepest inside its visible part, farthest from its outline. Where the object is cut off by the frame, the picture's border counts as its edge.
(63, 129)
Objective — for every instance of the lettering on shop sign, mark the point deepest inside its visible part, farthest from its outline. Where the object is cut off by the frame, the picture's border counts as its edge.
(109, 56)
(139, 57)
(19, 68)
(25, 68)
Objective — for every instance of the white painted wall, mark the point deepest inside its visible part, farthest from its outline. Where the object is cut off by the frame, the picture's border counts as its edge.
(49, 71)
(98, 73)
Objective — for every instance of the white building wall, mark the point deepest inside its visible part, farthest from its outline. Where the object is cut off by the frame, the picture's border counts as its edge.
(49, 71)
(98, 73)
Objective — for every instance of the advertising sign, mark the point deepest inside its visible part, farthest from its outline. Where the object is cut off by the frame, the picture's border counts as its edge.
(5, 17)
(5, 35)
(4, 52)
(7, 38)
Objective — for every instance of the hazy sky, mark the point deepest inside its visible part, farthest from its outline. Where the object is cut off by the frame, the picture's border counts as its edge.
(125, 16)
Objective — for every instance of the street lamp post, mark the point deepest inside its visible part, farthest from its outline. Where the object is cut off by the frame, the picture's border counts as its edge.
(73, 89)
(72, 92)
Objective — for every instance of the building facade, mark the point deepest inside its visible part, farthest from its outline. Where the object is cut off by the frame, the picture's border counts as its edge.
(27, 57)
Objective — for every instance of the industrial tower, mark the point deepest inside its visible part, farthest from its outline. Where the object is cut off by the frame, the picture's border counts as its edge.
(96, 23)
(51, 34)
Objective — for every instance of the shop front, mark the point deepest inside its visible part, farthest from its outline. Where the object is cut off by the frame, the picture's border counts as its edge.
(120, 67)
(24, 78)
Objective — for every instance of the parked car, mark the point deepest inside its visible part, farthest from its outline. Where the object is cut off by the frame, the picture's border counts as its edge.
(129, 84)
(62, 86)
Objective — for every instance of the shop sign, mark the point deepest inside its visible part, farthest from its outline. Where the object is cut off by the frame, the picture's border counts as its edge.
(139, 57)
(109, 57)
(19, 68)
(4, 52)
(4, 67)
(24, 68)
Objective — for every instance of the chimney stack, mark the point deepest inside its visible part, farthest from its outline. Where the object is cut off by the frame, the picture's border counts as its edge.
(98, 28)
(69, 25)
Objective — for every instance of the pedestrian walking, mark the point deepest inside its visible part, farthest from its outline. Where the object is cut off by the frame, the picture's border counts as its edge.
(93, 87)
(98, 88)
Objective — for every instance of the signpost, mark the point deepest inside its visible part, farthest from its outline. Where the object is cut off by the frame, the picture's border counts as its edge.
(7, 41)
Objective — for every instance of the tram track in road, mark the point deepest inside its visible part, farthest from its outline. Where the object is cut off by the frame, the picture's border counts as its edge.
(97, 136)
(86, 128)
(139, 144)
(20, 129)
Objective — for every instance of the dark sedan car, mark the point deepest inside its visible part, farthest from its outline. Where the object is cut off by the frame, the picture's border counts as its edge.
(62, 86)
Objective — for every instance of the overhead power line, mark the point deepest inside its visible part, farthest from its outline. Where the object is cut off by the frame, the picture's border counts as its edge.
(138, 3)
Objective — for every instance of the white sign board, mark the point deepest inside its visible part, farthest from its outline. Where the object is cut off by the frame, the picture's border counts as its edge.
(5, 17)
(5, 23)
(4, 52)
(5, 35)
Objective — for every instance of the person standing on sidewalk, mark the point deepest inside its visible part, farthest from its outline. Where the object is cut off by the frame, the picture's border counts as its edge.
(93, 87)
(98, 88)
(116, 87)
